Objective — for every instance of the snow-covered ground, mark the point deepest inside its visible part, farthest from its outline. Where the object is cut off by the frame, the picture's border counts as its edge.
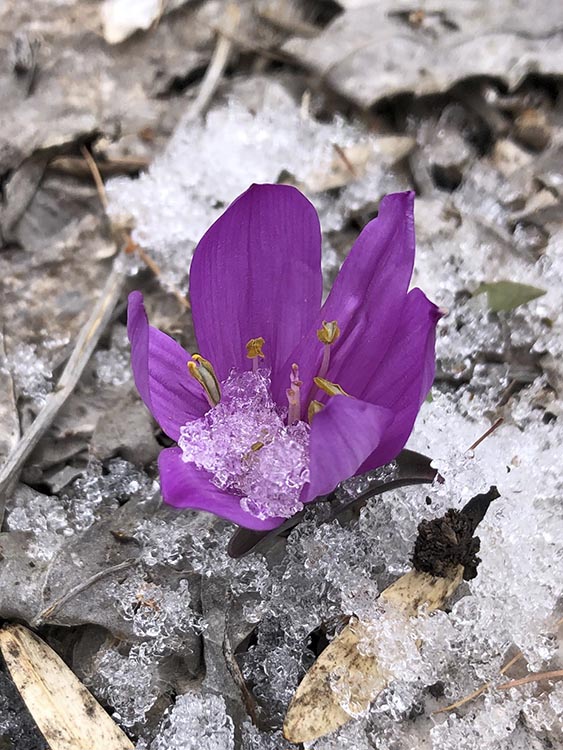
(496, 226)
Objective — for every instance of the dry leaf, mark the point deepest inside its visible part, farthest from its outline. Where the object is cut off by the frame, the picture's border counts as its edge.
(67, 715)
(378, 49)
(315, 710)
(350, 163)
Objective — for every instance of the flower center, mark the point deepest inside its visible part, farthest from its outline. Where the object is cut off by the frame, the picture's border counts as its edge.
(250, 446)
(247, 447)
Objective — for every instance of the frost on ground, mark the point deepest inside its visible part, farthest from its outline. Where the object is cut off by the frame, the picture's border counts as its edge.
(490, 365)
(206, 166)
(281, 607)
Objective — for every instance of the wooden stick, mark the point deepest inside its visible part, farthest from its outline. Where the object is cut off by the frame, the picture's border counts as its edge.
(216, 67)
(97, 177)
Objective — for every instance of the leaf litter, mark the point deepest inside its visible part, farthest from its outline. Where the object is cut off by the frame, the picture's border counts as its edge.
(485, 157)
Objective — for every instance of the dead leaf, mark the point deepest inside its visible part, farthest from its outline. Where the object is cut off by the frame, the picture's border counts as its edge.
(65, 711)
(350, 163)
(382, 49)
(121, 18)
(315, 709)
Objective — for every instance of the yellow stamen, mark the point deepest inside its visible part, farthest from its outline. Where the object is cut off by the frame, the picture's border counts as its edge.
(256, 446)
(254, 348)
(333, 389)
(202, 370)
(314, 408)
(328, 332)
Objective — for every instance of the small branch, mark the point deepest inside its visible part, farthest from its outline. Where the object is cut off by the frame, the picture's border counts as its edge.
(557, 674)
(130, 246)
(505, 686)
(481, 690)
(345, 160)
(97, 177)
(75, 166)
(216, 67)
(78, 589)
(486, 434)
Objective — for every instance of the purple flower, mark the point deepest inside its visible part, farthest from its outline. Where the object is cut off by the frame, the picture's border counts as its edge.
(286, 398)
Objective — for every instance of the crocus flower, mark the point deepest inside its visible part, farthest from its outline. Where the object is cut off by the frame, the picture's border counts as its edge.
(286, 397)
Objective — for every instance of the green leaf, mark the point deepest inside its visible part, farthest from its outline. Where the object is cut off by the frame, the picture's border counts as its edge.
(506, 295)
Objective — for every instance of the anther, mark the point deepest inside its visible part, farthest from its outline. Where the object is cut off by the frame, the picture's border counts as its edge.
(327, 335)
(333, 389)
(254, 351)
(202, 370)
(328, 332)
(314, 408)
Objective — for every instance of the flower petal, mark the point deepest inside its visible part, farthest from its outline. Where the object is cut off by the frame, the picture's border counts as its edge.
(257, 273)
(185, 486)
(404, 377)
(366, 299)
(343, 435)
(160, 371)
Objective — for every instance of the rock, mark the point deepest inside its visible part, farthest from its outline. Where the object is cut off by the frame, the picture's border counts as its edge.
(448, 154)
(126, 430)
(532, 129)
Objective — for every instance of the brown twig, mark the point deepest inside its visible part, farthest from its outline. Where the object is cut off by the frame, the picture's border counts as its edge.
(505, 686)
(96, 176)
(248, 45)
(557, 674)
(345, 160)
(130, 246)
(76, 167)
(86, 342)
(481, 690)
(486, 434)
(217, 66)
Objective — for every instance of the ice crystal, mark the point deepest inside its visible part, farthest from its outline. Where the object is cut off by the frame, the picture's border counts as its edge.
(245, 445)
(32, 374)
(44, 516)
(54, 518)
(172, 205)
(506, 364)
(254, 739)
(113, 364)
(163, 541)
(275, 665)
(129, 683)
(196, 722)
(159, 615)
